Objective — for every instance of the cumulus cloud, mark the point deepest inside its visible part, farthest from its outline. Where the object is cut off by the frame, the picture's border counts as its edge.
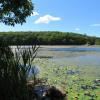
(46, 19)
(77, 29)
(95, 25)
(35, 13)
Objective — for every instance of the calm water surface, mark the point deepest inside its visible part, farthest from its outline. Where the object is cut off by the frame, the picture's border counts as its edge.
(73, 56)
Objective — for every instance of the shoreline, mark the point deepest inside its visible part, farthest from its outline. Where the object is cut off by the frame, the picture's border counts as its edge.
(69, 46)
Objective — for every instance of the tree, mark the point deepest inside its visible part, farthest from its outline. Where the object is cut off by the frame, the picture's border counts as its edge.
(15, 11)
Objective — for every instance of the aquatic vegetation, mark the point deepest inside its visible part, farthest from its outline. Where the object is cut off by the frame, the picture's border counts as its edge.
(69, 79)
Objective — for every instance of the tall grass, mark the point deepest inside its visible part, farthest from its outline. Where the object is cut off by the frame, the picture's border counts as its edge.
(14, 70)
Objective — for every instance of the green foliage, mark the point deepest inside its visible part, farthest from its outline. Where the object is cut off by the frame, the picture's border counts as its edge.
(14, 71)
(92, 40)
(46, 38)
(97, 41)
(15, 11)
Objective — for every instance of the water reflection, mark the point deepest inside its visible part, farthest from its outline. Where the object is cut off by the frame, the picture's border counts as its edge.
(75, 49)
(74, 56)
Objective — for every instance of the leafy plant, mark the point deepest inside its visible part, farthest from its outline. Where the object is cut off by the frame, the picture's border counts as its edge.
(14, 70)
(15, 11)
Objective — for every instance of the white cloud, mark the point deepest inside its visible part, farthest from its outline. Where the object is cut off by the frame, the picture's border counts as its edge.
(35, 13)
(77, 29)
(46, 19)
(95, 25)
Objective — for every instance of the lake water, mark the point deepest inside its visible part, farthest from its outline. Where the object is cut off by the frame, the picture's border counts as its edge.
(74, 56)
(85, 59)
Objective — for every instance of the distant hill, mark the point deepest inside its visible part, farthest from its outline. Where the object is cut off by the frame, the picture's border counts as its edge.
(47, 38)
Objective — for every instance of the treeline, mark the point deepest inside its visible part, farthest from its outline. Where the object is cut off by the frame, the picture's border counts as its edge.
(47, 38)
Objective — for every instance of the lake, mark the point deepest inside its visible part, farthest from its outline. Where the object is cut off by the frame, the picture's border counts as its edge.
(86, 59)
(73, 56)
(69, 68)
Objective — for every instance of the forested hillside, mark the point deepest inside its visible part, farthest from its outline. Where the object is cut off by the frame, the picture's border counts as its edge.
(47, 38)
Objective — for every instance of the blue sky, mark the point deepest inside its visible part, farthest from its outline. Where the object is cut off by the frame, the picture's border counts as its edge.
(81, 16)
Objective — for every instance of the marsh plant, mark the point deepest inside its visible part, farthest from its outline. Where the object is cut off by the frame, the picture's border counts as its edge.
(14, 70)
(69, 79)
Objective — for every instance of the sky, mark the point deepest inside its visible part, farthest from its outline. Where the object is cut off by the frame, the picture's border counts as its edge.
(79, 16)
